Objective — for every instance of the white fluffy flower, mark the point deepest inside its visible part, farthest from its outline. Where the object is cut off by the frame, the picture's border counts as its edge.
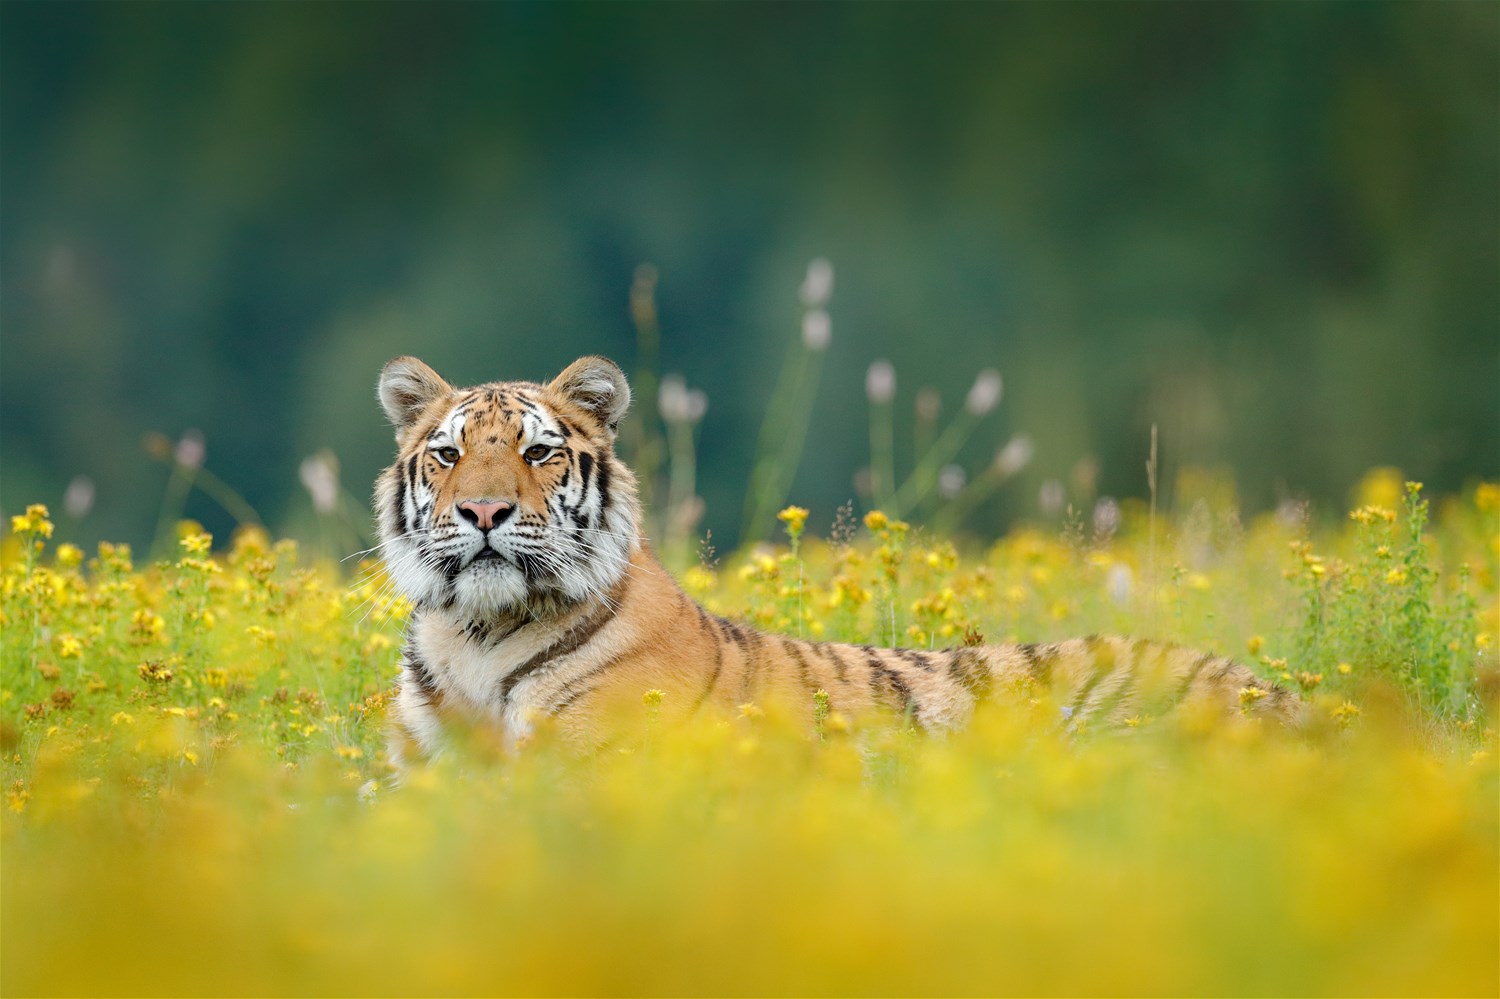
(817, 330)
(1015, 455)
(985, 393)
(817, 287)
(320, 475)
(880, 382)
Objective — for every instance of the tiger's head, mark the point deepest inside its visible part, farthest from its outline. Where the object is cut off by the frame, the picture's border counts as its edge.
(506, 498)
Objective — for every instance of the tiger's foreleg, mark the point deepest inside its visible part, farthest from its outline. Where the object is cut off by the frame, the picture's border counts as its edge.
(415, 731)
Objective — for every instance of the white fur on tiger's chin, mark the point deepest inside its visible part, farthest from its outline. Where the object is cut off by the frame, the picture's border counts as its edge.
(489, 586)
(485, 588)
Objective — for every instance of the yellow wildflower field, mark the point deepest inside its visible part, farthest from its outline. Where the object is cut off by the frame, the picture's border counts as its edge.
(197, 800)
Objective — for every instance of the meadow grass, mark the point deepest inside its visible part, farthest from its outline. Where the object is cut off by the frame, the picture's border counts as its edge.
(197, 800)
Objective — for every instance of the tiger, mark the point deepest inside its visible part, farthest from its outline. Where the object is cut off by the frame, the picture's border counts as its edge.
(514, 530)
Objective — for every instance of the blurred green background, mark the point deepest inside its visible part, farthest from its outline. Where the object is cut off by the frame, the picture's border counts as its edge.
(1271, 229)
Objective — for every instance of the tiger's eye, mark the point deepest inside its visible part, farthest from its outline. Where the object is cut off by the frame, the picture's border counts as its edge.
(448, 454)
(537, 452)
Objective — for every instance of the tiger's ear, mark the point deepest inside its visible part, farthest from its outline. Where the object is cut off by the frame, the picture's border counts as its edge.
(406, 388)
(598, 385)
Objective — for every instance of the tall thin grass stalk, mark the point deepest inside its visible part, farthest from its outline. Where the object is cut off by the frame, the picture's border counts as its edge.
(923, 480)
(682, 409)
(644, 444)
(880, 389)
(783, 435)
(1150, 586)
(187, 475)
(1009, 461)
(783, 432)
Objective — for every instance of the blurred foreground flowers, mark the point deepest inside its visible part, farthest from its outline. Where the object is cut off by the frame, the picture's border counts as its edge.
(196, 800)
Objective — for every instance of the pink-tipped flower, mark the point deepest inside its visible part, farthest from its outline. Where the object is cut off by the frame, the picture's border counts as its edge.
(190, 450)
(985, 394)
(320, 475)
(880, 383)
(1106, 517)
(678, 403)
(671, 398)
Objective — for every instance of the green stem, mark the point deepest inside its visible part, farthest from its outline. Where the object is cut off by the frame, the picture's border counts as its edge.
(882, 453)
(923, 478)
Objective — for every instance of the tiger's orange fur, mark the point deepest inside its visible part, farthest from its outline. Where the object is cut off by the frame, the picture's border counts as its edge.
(556, 605)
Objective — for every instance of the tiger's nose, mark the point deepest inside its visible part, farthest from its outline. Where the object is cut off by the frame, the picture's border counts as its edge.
(484, 515)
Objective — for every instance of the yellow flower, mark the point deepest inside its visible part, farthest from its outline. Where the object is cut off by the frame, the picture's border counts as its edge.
(154, 672)
(699, 580)
(1487, 496)
(1344, 669)
(794, 517)
(196, 543)
(1255, 644)
(146, 626)
(1396, 577)
(69, 556)
(33, 521)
